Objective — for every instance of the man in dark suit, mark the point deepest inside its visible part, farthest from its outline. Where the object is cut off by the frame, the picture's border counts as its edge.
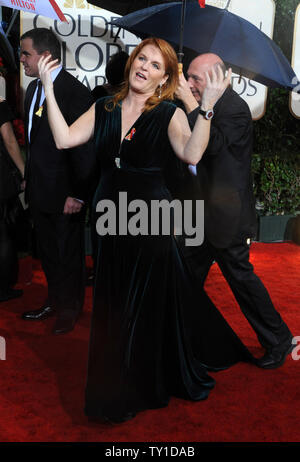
(56, 184)
(223, 180)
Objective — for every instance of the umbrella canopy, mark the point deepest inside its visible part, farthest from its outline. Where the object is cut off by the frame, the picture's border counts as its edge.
(123, 7)
(48, 8)
(239, 43)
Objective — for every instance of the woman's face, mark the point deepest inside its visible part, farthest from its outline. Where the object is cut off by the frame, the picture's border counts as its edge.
(147, 71)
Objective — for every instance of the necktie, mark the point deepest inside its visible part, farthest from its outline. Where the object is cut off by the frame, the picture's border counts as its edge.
(35, 118)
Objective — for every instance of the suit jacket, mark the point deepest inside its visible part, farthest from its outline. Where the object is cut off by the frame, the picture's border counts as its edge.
(224, 173)
(52, 174)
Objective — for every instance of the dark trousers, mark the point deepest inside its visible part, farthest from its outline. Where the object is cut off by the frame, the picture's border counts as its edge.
(249, 291)
(60, 244)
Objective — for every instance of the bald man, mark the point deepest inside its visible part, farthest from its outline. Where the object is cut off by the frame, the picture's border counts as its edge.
(224, 182)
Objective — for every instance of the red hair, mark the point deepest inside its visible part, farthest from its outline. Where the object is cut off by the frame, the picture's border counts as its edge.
(171, 68)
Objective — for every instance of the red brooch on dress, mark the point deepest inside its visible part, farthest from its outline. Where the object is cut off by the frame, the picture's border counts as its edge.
(130, 135)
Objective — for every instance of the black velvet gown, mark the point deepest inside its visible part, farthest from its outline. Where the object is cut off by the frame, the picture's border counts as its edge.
(153, 331)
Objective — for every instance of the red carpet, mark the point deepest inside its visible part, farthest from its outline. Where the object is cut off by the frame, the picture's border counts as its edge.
(43, 376)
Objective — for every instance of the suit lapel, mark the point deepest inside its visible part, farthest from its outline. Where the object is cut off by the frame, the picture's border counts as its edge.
(29, 95)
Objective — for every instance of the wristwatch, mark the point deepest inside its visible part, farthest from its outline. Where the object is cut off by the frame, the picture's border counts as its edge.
(207, 114)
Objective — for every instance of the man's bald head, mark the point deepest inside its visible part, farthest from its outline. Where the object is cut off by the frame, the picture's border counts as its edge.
(208, 60)
(197, 69)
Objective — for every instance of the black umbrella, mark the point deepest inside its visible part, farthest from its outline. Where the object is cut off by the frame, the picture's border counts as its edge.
(123, 7)
(239, 43)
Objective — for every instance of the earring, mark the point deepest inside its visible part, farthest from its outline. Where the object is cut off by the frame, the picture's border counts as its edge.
(160, 85)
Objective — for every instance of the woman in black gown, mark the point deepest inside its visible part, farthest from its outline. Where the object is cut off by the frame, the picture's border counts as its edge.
(153, 332)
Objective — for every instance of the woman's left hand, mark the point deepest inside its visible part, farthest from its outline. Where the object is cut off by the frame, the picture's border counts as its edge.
(216, 84)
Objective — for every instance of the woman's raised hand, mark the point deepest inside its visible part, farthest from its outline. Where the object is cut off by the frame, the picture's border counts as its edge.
(46, 66)
(216, 84)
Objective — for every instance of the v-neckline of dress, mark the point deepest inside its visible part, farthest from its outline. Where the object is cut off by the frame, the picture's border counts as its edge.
(130, 128)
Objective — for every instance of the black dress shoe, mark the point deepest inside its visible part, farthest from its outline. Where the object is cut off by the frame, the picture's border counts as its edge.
(64, 325)
(40, 314)
(9, 294)
(276, 356)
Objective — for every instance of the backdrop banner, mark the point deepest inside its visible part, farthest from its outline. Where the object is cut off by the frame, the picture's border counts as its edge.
(87, 39)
